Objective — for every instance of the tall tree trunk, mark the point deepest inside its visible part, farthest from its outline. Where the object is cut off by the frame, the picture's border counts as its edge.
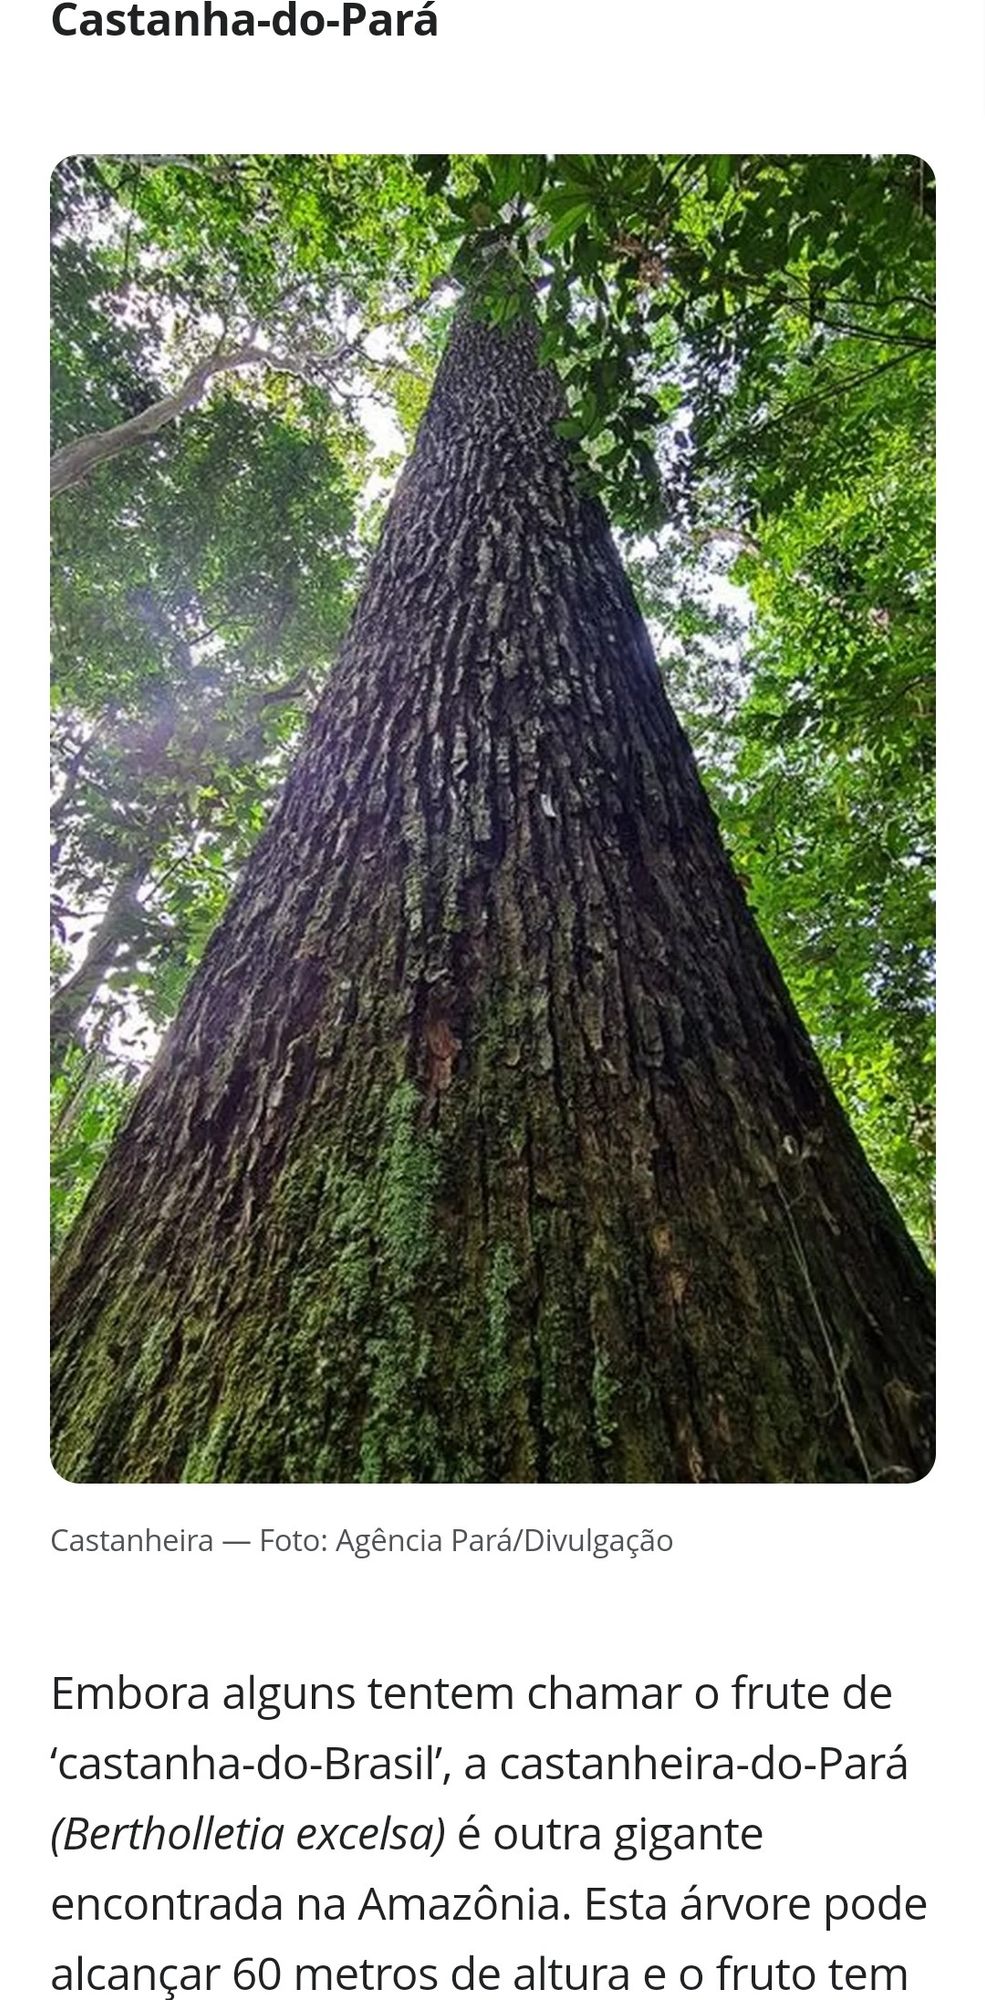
(487, 1144)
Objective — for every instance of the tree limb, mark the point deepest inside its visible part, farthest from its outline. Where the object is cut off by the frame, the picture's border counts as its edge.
(73, 998)
(72, 462)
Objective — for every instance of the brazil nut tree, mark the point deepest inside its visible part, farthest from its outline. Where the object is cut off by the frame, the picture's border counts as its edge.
(487, 1143)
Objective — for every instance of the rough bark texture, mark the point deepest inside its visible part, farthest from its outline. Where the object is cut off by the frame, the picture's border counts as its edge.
(487, 1145)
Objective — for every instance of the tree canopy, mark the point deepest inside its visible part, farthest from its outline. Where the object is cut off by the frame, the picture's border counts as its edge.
(242, 347)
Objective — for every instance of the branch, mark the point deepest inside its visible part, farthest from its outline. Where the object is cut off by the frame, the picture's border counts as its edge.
(73, 998)
(72, 462)
(194, 166)
(751, 432)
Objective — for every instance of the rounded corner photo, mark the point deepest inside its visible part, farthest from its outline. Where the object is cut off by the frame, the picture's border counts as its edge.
(492, 818)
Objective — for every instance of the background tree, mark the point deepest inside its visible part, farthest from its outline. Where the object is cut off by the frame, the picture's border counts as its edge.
(200, 585)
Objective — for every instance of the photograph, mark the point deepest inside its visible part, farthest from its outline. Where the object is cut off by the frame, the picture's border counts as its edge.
(492, 825)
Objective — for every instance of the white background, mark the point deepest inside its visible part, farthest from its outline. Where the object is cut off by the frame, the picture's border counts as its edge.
(825, 1583)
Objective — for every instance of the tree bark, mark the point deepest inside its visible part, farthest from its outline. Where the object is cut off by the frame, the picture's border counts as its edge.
(76, 994)
(487, 1144)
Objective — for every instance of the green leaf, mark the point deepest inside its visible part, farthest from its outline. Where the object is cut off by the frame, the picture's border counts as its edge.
(566, 225)
(718, 174)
